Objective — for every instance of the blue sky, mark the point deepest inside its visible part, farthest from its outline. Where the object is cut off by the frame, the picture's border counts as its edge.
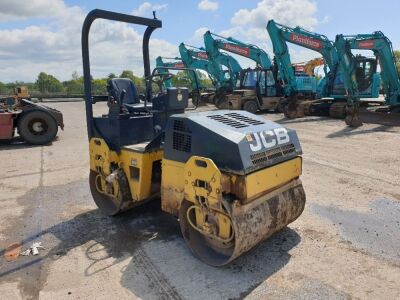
(44, 35)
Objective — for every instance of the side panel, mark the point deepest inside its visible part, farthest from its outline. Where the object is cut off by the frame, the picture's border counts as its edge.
(136, 165)
(172, 186)
(6, 126)
(138, 168)
(259, 183)
(270, 102)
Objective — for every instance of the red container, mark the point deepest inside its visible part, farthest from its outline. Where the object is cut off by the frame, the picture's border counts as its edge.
(6, 125)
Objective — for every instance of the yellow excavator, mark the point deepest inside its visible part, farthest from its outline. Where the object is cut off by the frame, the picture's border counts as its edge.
(230, 177)
(309, 67)
(312, 64)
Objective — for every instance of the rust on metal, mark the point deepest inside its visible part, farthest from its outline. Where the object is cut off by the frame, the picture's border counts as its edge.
(12, 252)
(172, 198)
(256, 223)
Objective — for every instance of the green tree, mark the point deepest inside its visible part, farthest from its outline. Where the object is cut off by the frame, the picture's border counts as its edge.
(99, 86)
(74, 86)
(204, 80)
(138, 81)
(111, 76)
(47, 83)
(127, 74)
(181, 78)
(3, 89)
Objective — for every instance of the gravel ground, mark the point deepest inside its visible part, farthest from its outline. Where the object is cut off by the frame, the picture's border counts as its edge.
(345, 245)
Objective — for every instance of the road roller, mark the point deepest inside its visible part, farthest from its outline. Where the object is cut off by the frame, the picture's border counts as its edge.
(231, 178)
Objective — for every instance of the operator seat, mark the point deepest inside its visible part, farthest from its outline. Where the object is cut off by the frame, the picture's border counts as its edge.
(131, 99)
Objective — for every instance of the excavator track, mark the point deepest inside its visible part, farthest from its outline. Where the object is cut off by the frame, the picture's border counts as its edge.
(337, 110)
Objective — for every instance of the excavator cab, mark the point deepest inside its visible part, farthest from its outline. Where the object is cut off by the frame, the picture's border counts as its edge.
(366, 75)
(366, 69)
(261, 80)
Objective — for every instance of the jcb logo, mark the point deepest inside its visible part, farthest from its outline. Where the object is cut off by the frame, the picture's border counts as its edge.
(267, 139)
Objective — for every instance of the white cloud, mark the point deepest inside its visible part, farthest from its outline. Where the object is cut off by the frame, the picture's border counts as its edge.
(208, 5)
(249, 25)
(325, 20)
(198, 35)
(288, 12)
(146, 8)
(19, 9)
(55, 48)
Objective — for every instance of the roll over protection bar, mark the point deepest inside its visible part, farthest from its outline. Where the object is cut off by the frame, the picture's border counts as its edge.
(151, 24)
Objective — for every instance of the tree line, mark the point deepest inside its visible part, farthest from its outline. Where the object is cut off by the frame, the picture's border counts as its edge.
(47, 84)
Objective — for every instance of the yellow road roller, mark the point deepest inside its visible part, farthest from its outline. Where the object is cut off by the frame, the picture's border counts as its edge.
(230, 177)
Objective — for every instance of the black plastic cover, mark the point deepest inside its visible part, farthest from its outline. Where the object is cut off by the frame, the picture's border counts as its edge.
(237, 141)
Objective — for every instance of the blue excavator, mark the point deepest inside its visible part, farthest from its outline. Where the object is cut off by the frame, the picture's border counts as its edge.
(196, 58)
(251, 89)
(381, 46)
(331, 98)
(231, 66)
(199, 92)
(163, 66)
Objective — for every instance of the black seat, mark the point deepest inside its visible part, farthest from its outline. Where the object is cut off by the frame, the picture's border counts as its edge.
(131, 99)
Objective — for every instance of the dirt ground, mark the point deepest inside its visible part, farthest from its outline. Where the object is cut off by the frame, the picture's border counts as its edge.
(346, 244)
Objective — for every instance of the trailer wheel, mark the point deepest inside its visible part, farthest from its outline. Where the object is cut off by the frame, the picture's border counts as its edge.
(250, 106)
(37, 127)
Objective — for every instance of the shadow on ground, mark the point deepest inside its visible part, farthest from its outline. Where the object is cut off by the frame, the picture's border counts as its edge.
(19, 143)
(310, 119)
(161, 265)
(349, 131)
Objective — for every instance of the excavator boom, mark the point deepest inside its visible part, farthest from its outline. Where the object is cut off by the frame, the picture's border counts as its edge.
(253, 52)
(281, 35)
(197, 58)
(219, 58)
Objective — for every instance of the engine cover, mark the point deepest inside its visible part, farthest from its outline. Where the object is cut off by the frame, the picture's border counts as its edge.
(237, 141)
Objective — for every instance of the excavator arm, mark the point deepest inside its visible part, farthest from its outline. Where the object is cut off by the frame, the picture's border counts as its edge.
(219, 58)
(176, 63)
(253, 52)
(197, 58)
